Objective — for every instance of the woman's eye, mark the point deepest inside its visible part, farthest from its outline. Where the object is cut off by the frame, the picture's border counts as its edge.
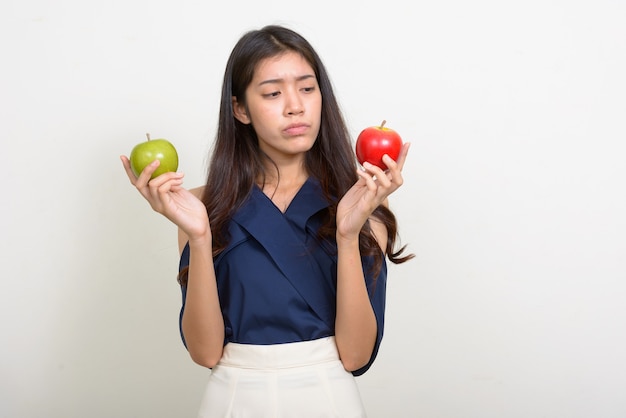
(309, 89)
(272, 94)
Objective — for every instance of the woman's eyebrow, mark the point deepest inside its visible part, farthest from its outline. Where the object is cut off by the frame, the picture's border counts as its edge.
(280, 80)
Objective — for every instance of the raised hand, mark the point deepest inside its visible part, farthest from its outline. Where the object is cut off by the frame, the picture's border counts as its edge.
(371, 190)
(166, 196)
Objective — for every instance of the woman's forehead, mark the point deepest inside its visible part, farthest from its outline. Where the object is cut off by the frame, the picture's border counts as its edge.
(282, 67)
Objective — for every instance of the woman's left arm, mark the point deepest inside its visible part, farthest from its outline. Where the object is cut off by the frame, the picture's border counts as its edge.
(355, 323)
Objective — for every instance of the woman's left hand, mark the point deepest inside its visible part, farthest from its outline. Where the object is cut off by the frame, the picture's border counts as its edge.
(370, 191)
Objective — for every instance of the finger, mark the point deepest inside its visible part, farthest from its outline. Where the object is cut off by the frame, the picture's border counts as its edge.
(159, 191)
(168, 178)
(368, 178)
(168, 186)
(403, 154)
(394, 174)
(145, 176)
(373, 170)
(395, 167)
(377, 173)
(399, 161)
(129, 172)
(150, 168)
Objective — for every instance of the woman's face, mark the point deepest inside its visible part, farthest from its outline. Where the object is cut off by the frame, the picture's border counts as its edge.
(284, 105)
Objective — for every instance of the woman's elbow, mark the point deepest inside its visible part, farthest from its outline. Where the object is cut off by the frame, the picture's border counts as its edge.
(354, 362)
(205, 358)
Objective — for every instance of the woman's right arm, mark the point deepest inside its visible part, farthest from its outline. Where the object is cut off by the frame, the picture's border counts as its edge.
(202, 322)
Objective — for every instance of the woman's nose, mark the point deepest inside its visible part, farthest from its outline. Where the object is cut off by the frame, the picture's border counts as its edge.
(294, 104)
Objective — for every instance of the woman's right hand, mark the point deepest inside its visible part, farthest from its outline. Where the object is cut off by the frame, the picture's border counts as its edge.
(166, 196)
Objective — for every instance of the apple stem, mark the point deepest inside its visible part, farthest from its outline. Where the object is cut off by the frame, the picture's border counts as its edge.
(383, 124)
(148, 136)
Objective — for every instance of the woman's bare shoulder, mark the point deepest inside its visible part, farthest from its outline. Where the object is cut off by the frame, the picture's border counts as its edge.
(197, 191)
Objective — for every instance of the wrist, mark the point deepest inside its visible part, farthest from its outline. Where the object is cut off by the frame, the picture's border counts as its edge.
(347, 241)
(201, 240)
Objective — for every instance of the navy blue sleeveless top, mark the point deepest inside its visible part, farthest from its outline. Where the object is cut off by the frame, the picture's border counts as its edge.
(276, 280)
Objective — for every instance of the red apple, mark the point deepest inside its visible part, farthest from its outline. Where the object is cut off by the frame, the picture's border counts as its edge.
(150, 150)
(376, 141)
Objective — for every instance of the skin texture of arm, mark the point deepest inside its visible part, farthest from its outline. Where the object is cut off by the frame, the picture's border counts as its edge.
(355, 324)
(202, 323)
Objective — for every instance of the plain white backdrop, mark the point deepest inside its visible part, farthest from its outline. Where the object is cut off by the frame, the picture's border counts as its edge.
(514, 198)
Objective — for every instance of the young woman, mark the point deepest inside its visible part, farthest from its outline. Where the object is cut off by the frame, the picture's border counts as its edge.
(283, 251)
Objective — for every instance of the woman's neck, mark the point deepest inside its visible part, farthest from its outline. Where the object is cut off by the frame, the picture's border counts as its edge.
(284, 174)
(282, 182)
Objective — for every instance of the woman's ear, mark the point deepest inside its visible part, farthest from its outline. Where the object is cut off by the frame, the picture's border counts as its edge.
(240, 112)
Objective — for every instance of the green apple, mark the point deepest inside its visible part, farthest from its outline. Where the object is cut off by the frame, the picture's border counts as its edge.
(154, 149)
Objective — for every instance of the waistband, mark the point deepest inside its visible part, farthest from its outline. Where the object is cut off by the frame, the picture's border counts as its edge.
(279, 356)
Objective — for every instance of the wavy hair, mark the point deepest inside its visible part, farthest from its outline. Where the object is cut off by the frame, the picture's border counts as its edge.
(237, 161)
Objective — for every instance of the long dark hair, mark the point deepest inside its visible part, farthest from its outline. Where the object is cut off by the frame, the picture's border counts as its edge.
(237, 161)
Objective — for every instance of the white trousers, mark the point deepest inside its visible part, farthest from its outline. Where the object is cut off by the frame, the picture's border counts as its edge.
(294, 380)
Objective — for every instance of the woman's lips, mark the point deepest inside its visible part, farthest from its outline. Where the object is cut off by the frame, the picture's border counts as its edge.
(296, 129)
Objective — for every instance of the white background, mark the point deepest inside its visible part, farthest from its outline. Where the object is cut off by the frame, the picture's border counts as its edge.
(514, 198)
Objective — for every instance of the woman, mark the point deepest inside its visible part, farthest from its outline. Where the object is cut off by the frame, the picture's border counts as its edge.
(283, 250)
